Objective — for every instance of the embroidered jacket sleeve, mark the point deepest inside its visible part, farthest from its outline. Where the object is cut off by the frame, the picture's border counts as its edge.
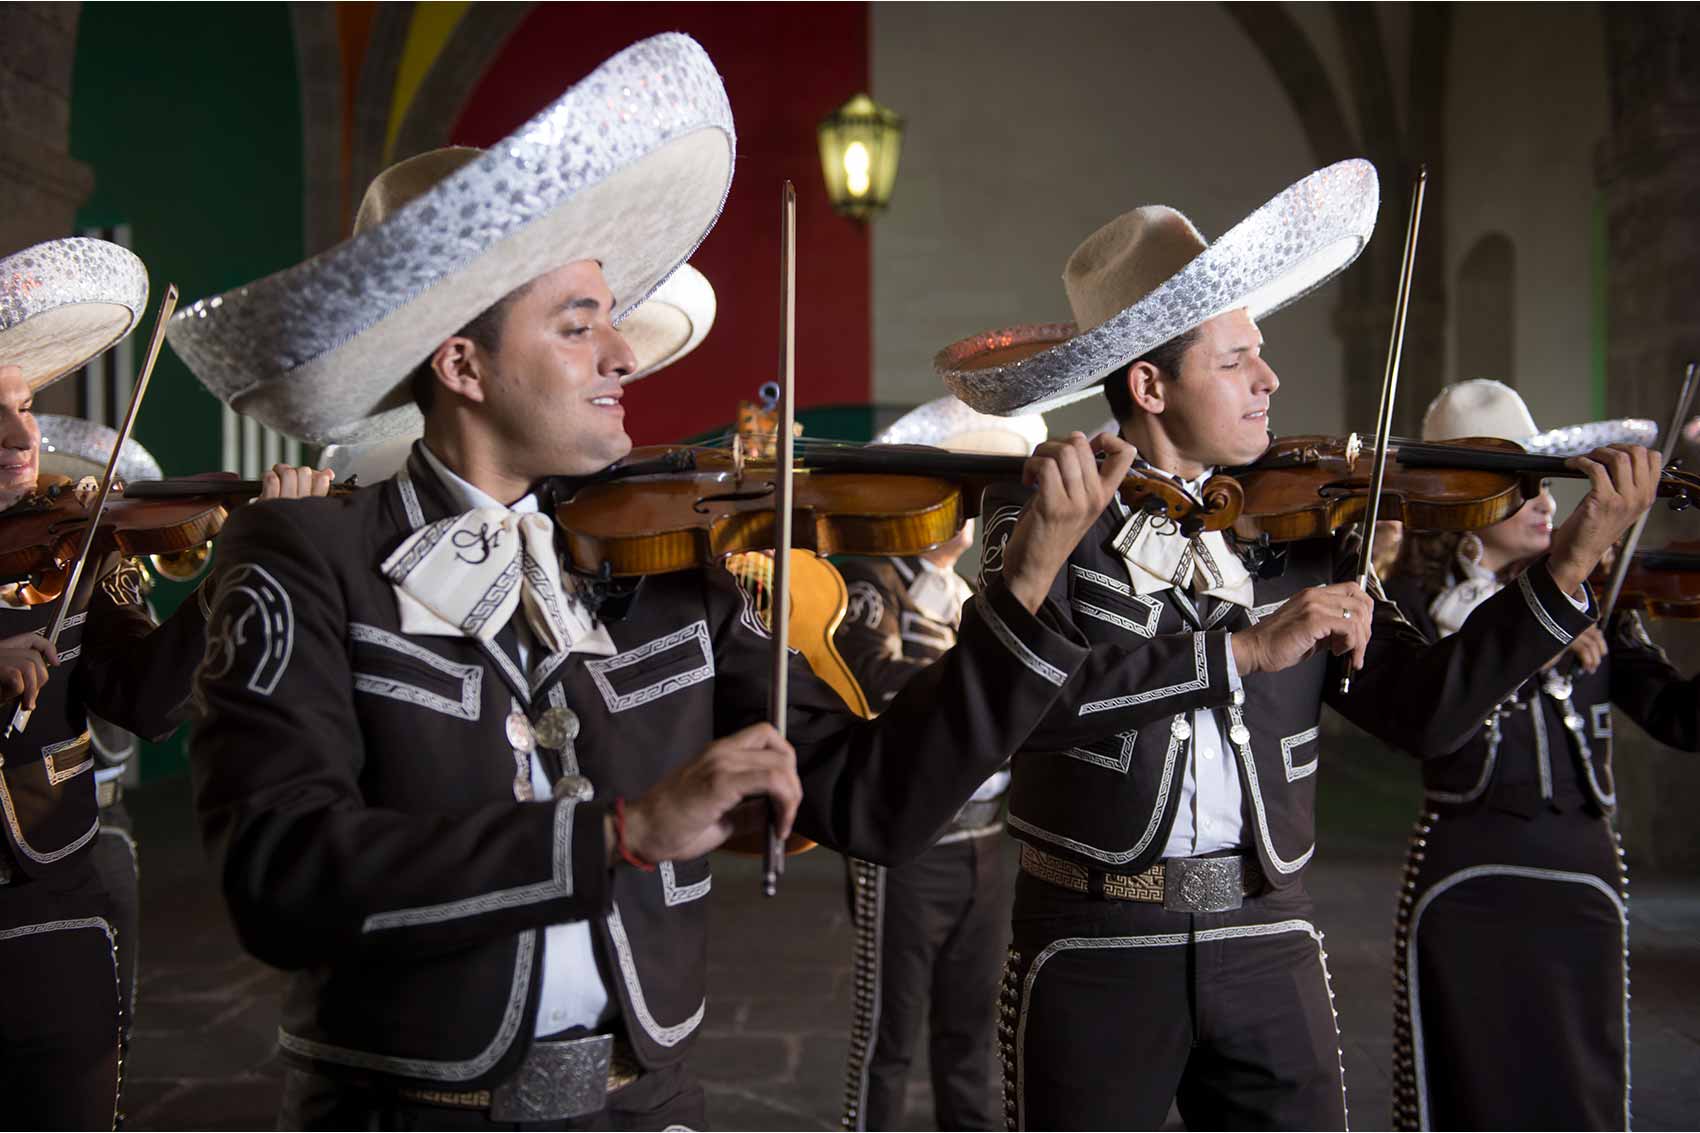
(308, 868)
(134, 672)
(1118, 686)
(870, 636)
(1649, 688)
(883, 789)
(1428, 699)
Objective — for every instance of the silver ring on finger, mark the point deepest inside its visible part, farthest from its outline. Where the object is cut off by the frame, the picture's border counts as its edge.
(1345, 613)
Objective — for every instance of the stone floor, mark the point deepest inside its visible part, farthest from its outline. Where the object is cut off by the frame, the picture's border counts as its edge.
(772, 1050)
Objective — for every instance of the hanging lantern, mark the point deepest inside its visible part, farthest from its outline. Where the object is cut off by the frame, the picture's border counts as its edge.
(859, 147)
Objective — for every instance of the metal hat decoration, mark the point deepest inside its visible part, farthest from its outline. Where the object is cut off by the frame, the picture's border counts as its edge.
(860, 144)
(67, 301)
(71, 446)
(947, 423)
(1482, 407)
(1148, 277)
(629, 167)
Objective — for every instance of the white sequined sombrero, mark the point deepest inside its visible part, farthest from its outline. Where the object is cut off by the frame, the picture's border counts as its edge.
(947, 423)
(1148, 276)
(65, 302)
(630, 167)
(71, 446)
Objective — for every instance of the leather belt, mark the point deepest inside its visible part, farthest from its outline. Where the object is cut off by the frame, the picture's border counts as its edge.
(1181, 885)
(556, 1081)
(108, 792)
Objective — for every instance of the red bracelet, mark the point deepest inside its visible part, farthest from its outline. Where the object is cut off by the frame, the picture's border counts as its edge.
(620, 838)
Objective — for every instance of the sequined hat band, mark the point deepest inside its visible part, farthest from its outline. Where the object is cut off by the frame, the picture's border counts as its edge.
(630, 167)
(1147, 277)
(65, 302)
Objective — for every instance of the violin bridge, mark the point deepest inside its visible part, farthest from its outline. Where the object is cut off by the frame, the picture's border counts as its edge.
(1354, 447)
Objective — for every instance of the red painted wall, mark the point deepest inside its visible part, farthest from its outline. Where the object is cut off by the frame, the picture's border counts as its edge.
(785, 66)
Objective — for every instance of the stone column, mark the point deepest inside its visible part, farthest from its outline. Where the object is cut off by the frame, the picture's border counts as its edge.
(42, 185)
(1648, 172)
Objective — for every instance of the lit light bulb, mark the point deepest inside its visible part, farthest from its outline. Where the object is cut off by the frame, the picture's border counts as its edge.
(856, 163)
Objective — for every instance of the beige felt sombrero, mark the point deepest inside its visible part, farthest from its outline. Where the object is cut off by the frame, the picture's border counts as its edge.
(65, 302)
(1149, 276)
(629, 167)
(1482, 407)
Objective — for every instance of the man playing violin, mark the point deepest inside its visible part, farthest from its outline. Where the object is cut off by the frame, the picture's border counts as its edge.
(1164, 949)
(1513, 919)
(464, 794)
(60, 1029)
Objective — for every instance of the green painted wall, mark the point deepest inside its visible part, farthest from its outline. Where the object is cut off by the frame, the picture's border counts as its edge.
(190, 117)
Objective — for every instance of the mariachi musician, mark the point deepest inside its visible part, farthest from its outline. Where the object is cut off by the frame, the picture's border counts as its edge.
(1165, 805)
(930, 935)
(479, 833)
(1512, 939)
(63, 303)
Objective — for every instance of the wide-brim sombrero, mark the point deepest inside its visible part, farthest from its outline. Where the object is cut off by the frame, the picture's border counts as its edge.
(71, 446)
(947, 423)
(1483, 407)
(1291, 245)
(67, 301)
(629, 167)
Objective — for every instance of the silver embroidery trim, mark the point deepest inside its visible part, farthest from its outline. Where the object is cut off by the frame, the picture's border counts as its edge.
(493, 650)
(918, 628)
(1603, 768)
(1110, 856)
(967, 835)
(1015, 645)
(432, 1069)
(277, 624)
(70, 654)
(675, 894)
(56, 776)
(599, 669)
(1495, 733)
(1258, 613)
(410, 499)
(1531, 873)
(1121, 763)
(471, 677)
(559, 885)
(1159, 940)
(1249, 762)
(29, 851)
(1602, 716)
(1201, 680)
(663, 1036)
(1543, 757)
(1541, 615)
(1153, 607)
(61, 926)
(1292, 742)
(869, 882)
(1220, 614)
(866, 604)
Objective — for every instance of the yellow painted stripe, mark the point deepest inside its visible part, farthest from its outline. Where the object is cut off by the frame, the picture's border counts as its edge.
(427, 34)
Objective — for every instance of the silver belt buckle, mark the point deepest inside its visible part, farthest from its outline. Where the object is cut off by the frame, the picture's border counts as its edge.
(1203, 885)
(557, 1081)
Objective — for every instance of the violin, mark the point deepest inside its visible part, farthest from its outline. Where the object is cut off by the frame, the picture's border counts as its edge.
(1660, 584)
(1309, 486)
(676, 508)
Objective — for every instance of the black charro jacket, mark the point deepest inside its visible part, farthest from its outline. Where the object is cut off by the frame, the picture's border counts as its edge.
(1097, 781)
(884, 637)
(1549, 743)
(113, 662)
(355, 786)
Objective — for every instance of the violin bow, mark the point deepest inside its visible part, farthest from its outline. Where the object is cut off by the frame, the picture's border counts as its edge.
(1621, 568)
(21, 715)
(1389, 387)
(779, 698)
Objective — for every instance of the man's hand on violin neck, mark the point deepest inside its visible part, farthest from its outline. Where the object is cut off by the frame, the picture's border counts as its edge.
(1338, 617)
(289, 482)
(1624, 480)
(1073, 491)
(24, 659)
(689, 812)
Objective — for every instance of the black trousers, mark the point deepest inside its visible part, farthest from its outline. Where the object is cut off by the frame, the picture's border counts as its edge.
(660, 1099)
(1511, 1008)
(937, 947)
(1113, 1009)
(59, 1014)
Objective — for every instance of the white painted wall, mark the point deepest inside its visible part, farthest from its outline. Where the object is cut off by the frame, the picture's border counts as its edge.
(1029, 125)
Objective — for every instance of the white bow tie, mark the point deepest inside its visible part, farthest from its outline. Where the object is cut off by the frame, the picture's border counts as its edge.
(1160, 558)
(940, 595)
(464, 575)
(1454, 604)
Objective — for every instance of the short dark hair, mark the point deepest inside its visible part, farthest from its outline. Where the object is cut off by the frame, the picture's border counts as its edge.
(1166, 358)
(485, 329)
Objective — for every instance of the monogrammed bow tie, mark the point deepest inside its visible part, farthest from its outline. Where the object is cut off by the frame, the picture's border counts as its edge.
(464, 575)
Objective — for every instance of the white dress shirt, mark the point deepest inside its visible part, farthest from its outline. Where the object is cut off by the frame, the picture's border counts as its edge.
(573, 992)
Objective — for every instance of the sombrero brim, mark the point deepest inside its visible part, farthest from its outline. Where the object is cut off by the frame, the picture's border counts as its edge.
(670, 323)
(1289, 247)
(630, 167)
(1574, 440)
(73, 447)
(947, 423)
(65, 302)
